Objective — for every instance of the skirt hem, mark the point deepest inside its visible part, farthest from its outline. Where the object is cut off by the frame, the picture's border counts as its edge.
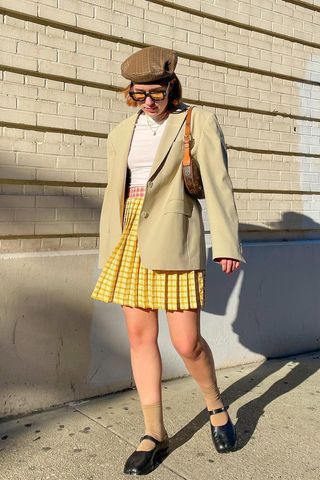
(153, 307)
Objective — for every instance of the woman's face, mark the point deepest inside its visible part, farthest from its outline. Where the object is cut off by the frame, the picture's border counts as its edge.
(153, 108)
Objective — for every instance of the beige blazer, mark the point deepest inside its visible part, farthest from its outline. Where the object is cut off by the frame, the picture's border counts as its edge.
(170, 229)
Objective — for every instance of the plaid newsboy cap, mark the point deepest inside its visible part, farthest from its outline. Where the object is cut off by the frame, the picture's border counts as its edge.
(149, 64)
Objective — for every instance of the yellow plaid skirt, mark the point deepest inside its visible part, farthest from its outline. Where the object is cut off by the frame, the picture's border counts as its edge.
(126, 281)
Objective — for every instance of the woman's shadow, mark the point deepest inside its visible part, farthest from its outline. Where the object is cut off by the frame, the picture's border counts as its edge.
(262, 316)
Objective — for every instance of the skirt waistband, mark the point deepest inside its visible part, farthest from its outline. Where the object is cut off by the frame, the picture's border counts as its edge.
(137, 191)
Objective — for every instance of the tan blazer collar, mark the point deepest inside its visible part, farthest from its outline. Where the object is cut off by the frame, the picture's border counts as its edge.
(172, 128)
(174, 123)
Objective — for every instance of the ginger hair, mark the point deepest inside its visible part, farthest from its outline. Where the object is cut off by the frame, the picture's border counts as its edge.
(175, 93)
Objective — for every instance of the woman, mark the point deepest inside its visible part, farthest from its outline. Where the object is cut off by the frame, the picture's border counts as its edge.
(152, 246)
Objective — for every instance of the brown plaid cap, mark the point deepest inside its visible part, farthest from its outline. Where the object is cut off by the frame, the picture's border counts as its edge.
(149, 64)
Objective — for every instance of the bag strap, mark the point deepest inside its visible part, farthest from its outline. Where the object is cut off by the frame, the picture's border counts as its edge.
(187, 138)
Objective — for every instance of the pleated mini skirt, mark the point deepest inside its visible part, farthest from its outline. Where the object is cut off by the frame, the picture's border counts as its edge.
(126, 281)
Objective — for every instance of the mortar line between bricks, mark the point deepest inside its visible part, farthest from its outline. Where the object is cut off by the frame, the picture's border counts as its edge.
(229, 147)
(21, 181)
(244, 231)
(124, 439)
(46, 128)
(113, 88)
(49, 235)
(244, 26)
(137, 44)
(201, 14)
(309, 6)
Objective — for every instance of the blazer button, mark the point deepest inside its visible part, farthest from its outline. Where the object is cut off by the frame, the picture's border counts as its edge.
(150, 184)
(144, 214)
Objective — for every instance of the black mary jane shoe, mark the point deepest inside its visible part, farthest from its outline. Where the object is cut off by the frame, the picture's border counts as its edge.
(142, 462)
(224, 437)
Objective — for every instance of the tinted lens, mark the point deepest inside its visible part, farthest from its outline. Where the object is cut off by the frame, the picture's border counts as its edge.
(137, 96)
(157, 95)
(141, 96)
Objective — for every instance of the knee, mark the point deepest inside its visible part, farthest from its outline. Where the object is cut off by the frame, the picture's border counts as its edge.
(139, 338)
(189, 349)
(142, 326)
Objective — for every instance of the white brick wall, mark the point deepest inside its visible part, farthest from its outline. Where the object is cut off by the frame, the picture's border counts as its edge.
(66, 59)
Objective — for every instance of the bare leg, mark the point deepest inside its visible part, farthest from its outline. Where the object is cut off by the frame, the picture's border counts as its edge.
(184, 328)
(143, 328)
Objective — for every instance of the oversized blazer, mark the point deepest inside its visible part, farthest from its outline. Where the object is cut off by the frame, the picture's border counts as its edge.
(170, 226)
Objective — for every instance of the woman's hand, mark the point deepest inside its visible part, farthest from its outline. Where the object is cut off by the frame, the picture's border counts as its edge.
(228, 265)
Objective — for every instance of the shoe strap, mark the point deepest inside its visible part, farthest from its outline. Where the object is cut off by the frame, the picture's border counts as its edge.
(219, 410)
(149, 437)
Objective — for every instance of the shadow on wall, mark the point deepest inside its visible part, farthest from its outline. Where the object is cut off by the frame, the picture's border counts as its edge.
(54, 346)
(39, 209)
(278, 310)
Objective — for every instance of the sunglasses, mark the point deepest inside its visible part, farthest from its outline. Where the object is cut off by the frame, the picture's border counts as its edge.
(155, 96)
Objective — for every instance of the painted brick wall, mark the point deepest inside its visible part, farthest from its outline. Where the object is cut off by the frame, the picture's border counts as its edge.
(255, 64)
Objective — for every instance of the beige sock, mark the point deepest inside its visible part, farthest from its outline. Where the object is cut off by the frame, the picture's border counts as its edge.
(213, 401)
(153, 421)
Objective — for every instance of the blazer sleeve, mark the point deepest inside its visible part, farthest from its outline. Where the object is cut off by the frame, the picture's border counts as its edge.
(222, 214)
(110, 152)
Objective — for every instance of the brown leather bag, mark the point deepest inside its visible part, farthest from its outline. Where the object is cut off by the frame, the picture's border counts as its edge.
(190, 170)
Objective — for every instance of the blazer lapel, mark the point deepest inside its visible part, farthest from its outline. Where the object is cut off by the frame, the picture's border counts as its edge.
(123, 147)
(124, 143)
(172, 128)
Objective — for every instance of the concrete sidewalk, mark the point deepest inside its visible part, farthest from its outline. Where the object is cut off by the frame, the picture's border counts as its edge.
(275, 406)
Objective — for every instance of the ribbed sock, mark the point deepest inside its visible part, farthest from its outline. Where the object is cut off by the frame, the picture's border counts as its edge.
(154, 425)
(213, 401)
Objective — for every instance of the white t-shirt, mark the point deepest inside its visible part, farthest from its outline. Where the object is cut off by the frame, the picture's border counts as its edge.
(146, 138)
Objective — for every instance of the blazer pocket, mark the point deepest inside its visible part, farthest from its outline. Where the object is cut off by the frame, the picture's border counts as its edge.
(178, 206)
